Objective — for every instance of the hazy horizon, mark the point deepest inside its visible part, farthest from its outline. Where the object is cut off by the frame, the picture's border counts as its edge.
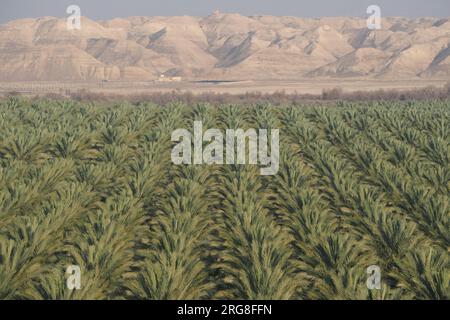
(104, 10)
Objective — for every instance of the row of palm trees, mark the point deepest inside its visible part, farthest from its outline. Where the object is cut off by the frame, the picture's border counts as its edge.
(93, 185)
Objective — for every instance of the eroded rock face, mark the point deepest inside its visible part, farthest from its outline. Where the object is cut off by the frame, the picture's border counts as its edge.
(223, 46)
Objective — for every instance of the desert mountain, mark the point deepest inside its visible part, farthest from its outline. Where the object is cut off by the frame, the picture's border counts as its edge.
(223, 46)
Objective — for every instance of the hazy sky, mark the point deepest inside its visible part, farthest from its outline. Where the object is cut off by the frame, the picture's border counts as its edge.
(105, 9)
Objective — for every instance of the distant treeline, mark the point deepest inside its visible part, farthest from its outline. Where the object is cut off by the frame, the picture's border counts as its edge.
(276, 98)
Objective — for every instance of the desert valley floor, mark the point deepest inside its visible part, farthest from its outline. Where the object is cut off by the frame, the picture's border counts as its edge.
(304, 86)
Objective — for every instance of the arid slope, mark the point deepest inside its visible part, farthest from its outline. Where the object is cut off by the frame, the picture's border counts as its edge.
(224, 46)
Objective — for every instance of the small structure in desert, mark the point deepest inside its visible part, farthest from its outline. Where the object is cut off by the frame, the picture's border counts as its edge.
(164, 78)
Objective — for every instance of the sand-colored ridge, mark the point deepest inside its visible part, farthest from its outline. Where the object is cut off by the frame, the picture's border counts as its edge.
(224, 46)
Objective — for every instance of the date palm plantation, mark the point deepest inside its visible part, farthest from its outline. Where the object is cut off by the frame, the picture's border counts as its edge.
(93, 185)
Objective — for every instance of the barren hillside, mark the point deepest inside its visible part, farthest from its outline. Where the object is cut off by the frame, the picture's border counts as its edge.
(224, 46)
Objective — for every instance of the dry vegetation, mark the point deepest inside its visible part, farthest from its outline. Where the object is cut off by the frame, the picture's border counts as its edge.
(277, 98)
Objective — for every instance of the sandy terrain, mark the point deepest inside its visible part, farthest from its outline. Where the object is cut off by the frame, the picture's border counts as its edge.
(301, 86)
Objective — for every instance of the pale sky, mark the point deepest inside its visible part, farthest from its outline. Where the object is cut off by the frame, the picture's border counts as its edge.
(106, 9)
